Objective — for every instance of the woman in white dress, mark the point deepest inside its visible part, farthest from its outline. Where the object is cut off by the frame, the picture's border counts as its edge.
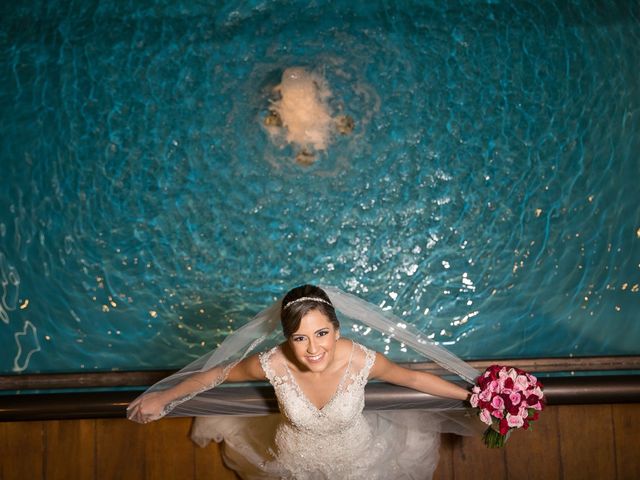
(319, 381)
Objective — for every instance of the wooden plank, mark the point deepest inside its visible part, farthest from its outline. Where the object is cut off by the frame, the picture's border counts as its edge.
(626, 422)
(535, 453)
(472, 459)
(120, 449)
(586, 441)
(209, 464)
(444, 470)
(69, 449)
(169, 452)
(21, 447)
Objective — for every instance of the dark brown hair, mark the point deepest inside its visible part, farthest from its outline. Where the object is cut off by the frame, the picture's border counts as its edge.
(291, 313)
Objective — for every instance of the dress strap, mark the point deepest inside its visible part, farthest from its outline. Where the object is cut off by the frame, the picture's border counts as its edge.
(369, 360)
(353, 347)
(346, 374)
(265, 363)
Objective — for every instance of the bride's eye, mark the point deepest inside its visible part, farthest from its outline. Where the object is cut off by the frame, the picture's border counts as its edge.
(298, 339)
(323, 333)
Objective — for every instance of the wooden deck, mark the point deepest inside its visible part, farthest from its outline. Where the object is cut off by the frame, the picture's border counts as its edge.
(569, 442)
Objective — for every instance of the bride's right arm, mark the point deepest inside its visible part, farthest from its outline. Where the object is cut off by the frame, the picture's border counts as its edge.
(150, 406)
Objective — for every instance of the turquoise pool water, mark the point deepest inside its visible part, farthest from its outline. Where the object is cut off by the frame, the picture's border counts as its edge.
(488, 195)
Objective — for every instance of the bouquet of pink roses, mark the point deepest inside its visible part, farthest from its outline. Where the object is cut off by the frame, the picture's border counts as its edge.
(508, 398)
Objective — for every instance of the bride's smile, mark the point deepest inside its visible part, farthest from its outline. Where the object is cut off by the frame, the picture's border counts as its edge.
(315, 358)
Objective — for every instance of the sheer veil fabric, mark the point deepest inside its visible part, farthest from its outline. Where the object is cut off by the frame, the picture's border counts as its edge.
(263, 332)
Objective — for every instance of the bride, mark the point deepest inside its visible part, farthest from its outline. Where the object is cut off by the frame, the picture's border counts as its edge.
(319, 379)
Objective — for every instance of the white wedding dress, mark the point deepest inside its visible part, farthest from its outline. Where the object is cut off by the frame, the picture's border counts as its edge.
(337, 441)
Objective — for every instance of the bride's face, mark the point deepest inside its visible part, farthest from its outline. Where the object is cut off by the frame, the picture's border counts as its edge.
(314, 343)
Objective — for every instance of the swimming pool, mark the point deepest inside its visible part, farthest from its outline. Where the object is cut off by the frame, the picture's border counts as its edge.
(488, 194)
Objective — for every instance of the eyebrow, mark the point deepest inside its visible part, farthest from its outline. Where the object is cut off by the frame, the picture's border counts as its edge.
(303, 335)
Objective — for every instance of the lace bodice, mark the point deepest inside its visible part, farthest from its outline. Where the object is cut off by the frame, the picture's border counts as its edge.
(329, 442)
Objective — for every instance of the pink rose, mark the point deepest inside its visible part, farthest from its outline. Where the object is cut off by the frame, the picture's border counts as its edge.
(485, 416)
(485, 395)
(515, 398)
(514, 421)
(523, 412)
(497, 403)
(497, 414)
(521, 383)
(474, 400)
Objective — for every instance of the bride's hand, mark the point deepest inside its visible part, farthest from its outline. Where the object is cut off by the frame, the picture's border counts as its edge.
(147, 408)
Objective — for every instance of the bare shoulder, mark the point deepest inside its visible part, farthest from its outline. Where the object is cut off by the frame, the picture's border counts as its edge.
(345, 348)
(383, 367)
(247, 370)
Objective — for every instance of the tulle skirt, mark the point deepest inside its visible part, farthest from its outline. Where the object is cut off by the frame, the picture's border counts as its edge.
(404, 445)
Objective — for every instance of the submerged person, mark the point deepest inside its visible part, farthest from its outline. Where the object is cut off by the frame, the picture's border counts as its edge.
(319, 379)
(301, 114)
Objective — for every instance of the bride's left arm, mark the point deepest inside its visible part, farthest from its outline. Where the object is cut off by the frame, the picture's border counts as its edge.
(388, 371)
